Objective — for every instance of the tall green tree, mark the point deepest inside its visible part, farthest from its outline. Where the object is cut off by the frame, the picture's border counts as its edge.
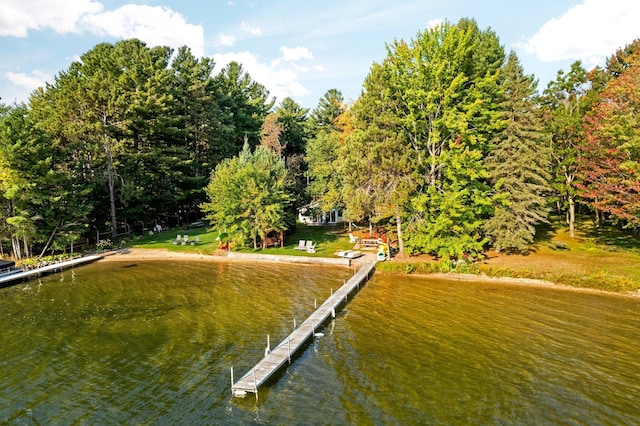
(108, 111)
(376, 163)
(325, 186)
(293, 139)
(518, 165)
(329, 108)
(564, 104)
(244, 104)
(249, 195)
(198, 139)
(435, 101)
(47, 201)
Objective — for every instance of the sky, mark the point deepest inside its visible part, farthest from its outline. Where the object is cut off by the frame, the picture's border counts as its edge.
(301, 48)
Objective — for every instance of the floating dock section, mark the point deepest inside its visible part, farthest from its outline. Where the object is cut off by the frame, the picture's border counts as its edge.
(275, 359)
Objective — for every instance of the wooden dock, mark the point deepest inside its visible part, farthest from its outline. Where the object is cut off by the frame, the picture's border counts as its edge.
(287, 349)
(54, 267)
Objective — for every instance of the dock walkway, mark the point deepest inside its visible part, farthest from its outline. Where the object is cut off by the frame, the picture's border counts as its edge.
(54, 267)
(281, 354)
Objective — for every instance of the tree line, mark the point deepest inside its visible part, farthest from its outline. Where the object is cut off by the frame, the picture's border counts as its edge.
(449, 145)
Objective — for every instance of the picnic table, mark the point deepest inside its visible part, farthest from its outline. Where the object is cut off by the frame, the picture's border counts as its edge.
(369, 242)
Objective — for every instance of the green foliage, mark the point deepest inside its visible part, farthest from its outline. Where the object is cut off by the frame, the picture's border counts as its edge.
(424, 123)
(518, 165)
(244, 103)
(249, 196)
(293, 139)
(329, 108)
(564, 104)
(128, 134)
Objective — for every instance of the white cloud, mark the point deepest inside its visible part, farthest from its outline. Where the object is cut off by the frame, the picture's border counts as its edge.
(295, 53)
(225, 40)
(291, 55)
(280, 81)
(18, 17)
(432, 23)
(254, 31)
(29, 82)
(589, 31)
(153, 25)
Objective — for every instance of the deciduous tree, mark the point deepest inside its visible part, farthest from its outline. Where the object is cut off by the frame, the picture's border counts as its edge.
(249, 195)
(563, 107)
(609, 160)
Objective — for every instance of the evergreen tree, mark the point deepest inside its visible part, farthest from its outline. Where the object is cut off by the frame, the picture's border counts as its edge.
(325, 186)
(293, 139)
(244, 104)
(518, 165)
(330, 106)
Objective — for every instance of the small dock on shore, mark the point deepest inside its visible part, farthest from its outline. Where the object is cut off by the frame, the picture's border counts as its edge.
(282, 354)
(49, 269)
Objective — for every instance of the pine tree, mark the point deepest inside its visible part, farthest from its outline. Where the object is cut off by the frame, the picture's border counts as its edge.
(518, 165)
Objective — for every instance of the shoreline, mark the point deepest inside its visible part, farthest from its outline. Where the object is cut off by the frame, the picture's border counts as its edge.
(137, 254)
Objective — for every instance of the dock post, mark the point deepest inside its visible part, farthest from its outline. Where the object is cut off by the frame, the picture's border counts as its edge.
(294, 324)
(333, 310)
(315, 303)
(232, 381)
(255, 384)
(289, 348)
(268, 349)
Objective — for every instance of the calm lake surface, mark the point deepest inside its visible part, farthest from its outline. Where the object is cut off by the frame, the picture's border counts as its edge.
(152, 343)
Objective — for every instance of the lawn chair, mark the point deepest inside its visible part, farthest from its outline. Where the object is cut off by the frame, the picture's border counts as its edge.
(310, 247)
(301, 245)
(352, 238)
(185, 240)
(177, 240)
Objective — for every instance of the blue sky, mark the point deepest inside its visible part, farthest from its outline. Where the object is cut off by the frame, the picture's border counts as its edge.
(301, 48)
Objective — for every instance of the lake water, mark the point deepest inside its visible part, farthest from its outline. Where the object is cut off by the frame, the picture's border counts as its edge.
(153, 343)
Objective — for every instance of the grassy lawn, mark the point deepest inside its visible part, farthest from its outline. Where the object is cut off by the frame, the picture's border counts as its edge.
(328, 241)
(605, 259)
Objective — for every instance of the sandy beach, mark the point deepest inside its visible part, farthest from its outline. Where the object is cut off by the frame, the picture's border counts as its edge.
(136, 254)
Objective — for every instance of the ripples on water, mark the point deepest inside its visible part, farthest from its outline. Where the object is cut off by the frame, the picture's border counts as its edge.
(153, 344)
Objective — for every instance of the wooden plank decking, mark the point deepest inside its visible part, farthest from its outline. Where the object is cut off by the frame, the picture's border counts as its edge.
(282, 354)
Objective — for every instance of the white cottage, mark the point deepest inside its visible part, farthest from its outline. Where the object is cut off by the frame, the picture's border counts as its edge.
(312, 215)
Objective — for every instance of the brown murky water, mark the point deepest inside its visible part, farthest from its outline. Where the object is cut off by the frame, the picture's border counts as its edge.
(152, 343)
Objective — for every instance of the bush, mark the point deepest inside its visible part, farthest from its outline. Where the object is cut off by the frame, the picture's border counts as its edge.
(104, 244)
